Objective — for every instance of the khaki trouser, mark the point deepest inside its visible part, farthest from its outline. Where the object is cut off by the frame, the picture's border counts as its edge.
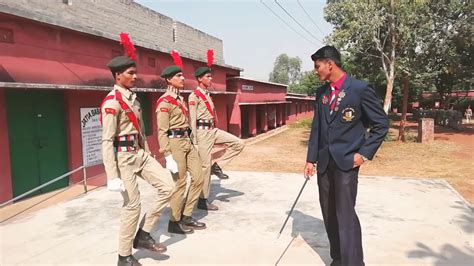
(206, 140)
(131, 165)
(187, 158)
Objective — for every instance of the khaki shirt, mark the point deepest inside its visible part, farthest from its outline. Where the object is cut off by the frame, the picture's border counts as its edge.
(115, 123)
(198, 109)
(169, 116)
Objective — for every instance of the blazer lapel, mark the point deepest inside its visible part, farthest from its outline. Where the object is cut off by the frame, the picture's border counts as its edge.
(344, 88)
(326, 105)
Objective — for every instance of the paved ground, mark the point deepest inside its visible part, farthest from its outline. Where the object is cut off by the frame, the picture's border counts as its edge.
(405, 222)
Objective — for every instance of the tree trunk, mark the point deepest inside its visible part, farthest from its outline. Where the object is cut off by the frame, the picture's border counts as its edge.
(391, 61)
(401, 130)
(388, 94)
(445, 101)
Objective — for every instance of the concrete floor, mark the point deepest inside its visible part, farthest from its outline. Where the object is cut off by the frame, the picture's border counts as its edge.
(404, 222)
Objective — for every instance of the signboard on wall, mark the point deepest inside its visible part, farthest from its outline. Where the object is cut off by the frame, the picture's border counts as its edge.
(91, 133)
(247, 87)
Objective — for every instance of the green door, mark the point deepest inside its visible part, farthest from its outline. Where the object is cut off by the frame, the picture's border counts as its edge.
(36, 128)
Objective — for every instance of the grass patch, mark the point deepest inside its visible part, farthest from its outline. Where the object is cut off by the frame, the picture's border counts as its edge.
(302, 123)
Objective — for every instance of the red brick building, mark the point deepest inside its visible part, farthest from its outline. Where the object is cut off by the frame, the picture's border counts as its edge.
(457, 99)
(53, 78)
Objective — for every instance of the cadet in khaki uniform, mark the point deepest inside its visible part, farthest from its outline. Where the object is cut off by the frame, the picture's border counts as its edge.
(179, 151)
(203, 122)
(126, 155)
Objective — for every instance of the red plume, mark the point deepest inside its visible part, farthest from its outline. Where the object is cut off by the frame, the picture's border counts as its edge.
(177, 58)
(210, 57)
(128, 45)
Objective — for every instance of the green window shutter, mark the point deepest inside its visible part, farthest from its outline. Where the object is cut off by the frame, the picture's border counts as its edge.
(146, 112)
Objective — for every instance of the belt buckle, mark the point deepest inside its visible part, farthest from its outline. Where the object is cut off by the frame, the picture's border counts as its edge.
(173, 134)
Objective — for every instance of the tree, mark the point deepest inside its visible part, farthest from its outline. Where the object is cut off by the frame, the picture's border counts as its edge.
(379, 31)
(436, 44)
(370, 71)
(307, 84)
(422, 44)
(439, 33)
(446, 57)
(286, 70)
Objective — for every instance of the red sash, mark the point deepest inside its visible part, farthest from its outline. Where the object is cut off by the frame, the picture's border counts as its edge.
(173, 101)
(130, 114)
(208, 105)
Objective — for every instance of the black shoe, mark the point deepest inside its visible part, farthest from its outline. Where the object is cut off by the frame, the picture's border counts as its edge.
(128, 261)
(178, 228)
(216, 170)
(337, 262)
(143, 240)
(204, 205)
(191, 222)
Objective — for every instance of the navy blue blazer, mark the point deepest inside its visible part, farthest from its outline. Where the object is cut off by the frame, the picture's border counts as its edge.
(343, 133)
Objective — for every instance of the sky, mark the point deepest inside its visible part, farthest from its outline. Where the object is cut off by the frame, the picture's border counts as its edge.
(252, 35)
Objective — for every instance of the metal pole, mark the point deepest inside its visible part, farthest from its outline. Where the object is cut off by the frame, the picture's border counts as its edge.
(84, 175)
(42, 186)
(292, 207)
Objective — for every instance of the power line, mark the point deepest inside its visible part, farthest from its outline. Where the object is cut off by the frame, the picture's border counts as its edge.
(298, 22)
(282, 20)
(314, 22)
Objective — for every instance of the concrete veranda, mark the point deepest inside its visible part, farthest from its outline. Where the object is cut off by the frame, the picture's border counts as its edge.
(404, 222)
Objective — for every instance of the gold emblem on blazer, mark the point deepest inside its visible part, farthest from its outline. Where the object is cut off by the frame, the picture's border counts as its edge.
(348, 114)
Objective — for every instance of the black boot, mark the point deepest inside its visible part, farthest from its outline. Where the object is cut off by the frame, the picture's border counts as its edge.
(128, 261)
(178, 228)
(216, 170)
(143, 240)
(204, 205)
(193, 223)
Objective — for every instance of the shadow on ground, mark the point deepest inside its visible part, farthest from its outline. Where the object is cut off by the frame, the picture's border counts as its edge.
(447, 255)
(466, 219)
(220, 193)
(142, 254)
(313, 232)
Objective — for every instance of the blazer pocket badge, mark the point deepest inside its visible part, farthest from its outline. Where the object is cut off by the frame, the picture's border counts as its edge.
(325, 100)
(348, 114)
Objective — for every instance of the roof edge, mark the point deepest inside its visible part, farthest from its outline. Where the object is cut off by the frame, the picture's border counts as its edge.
(41, 86)
(260, 81)
(66, 25)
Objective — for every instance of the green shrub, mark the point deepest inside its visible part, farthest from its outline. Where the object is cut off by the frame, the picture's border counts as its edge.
(411, 136)
(389, 137)
(447, 118)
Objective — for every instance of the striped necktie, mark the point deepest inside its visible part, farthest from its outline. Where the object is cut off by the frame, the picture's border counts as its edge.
(332, 102)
